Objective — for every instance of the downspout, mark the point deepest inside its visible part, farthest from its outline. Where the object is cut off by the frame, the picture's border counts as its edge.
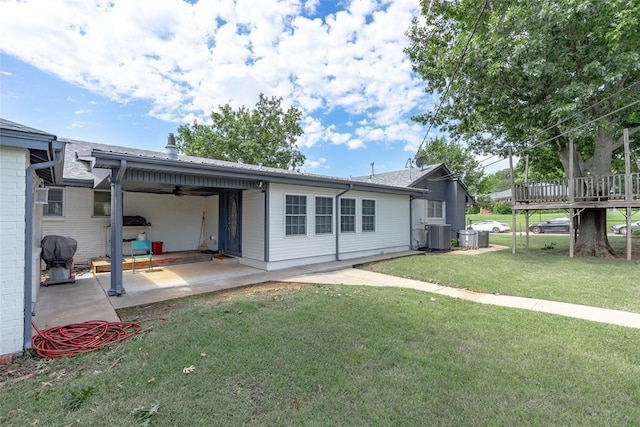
(338, 222)
(116, 288)
(28, 243)
(411, 198)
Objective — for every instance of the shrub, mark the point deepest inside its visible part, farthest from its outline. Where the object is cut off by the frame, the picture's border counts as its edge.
(502, 208)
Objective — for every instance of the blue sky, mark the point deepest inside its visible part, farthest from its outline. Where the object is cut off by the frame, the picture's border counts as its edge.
(129, 72)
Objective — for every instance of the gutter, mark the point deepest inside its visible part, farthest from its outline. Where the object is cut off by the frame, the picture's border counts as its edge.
(28, 242)
(338, 221)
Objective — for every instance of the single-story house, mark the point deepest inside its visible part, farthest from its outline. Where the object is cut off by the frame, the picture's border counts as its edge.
(265, 217)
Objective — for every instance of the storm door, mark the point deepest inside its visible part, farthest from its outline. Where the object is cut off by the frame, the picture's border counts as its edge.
(231, 222)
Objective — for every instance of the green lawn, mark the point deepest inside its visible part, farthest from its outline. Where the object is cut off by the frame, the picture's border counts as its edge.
(544, 271)
(331, 355)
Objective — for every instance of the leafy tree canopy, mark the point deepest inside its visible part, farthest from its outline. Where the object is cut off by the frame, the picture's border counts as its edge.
(495, 182)
(532, 71)
(265, 135)
(458, 159)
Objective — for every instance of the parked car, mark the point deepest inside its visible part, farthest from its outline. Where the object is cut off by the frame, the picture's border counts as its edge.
(622, 228)
(490, 225)
(555, 225)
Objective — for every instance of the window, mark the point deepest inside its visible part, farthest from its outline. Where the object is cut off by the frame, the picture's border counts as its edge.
(101, 203)
(295, 215)
(368, 215)
(54, 206)
(434, 209)
(324, 215)
(348, 215)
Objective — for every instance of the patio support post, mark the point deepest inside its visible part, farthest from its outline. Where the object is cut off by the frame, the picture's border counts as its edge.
(116, 288)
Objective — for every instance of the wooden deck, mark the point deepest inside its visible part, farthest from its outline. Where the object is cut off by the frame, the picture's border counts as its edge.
(611, 191)
(103, 264)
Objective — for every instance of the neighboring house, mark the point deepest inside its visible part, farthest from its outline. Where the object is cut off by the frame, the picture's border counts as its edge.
(29, 159)
(501, 196)
(445, 202)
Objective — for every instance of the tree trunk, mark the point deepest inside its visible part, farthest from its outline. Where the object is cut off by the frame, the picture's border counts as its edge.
(592, 235)
(592, 231)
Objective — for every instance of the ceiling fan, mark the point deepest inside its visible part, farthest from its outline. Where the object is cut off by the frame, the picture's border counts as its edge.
(177, 191)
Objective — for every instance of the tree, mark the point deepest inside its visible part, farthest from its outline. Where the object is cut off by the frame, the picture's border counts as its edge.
(495, 182)
(533, 75)
(266, 135)
(458, 159)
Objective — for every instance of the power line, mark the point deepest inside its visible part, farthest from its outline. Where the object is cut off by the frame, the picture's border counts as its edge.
(455, 72)
(631, 104)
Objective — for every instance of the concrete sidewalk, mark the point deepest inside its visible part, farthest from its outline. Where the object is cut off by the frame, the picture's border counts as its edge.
(353, 276)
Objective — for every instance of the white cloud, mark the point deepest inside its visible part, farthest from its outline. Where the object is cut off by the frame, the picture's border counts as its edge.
(186, 59)
(314, 164)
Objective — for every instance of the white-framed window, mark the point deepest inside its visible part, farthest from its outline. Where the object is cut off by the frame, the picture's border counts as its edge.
(324, 215)
(435, 209)
(368, 215)
(295, 215)
(101, 203)
(55, 203)
(347, 215)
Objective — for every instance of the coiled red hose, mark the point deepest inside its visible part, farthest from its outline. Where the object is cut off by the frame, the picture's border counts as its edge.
(76, 338)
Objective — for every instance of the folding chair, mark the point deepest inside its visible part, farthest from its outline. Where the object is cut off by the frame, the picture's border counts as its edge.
(141, 245)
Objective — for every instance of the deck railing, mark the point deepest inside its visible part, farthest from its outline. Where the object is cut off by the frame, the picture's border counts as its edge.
(585, 189)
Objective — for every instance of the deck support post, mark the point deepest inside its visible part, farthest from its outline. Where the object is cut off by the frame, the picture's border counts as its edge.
(627, 188)
(513, 210)
(572, 211)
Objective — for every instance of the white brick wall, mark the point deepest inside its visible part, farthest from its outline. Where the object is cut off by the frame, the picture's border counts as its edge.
(13, 164)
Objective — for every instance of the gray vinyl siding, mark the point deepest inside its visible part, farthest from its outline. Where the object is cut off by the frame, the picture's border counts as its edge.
(253, 225)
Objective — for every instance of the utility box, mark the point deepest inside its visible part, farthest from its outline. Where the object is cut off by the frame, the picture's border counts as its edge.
(468, 238)
(439, 237)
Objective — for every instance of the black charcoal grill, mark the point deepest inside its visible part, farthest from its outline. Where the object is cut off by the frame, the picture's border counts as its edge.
(57, 253)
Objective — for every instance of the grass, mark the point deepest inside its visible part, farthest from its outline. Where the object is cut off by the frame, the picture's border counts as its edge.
(544, 271)
(332, 355)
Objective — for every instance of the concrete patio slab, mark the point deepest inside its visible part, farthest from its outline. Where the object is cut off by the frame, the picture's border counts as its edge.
(89, 302)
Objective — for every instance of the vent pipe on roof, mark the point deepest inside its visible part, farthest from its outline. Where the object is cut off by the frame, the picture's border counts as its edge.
(170, 148)
(372, 170)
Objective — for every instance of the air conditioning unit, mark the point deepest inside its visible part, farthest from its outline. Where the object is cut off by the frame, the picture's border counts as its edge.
(439, 237)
